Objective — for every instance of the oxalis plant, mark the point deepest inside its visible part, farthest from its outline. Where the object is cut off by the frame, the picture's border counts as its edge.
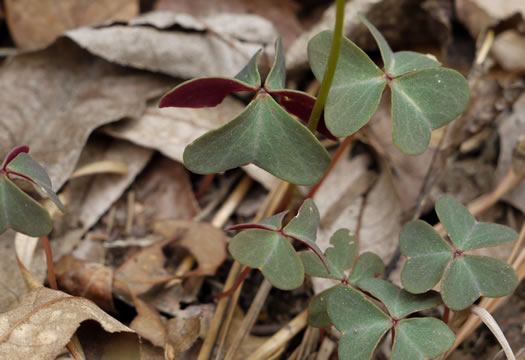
(277, 132)
(21, 212)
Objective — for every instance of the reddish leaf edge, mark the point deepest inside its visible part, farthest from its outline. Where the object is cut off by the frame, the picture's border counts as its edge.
(14, 153)
(203, 92)
(301, 104)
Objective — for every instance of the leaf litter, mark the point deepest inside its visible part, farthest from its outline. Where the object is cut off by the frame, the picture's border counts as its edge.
(137, 226)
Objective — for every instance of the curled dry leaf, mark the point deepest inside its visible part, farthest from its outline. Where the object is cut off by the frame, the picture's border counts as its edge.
(165, 191)
(142, 271)
(66, 94)
(209, 46)
(478, 15)
(509, 50)
(43, 323)
(34, 25)
(86, 279)
(98, 344)
(204, 241)
(175, 335)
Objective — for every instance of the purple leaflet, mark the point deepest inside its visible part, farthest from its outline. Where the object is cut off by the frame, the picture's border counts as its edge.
(203, 92)
(13, 154)
(301, 104)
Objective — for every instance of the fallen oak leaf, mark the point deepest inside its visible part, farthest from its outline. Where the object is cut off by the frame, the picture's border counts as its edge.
(44, 322)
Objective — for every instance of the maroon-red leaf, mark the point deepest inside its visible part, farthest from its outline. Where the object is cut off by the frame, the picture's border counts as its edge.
(203, 92)
(301, 104)
(14, 153)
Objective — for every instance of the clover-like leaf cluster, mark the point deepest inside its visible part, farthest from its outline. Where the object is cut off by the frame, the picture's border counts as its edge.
(266, 245)
(349, 306)
(464, 277)
(20, 212)
(264, 134)
(425, 96)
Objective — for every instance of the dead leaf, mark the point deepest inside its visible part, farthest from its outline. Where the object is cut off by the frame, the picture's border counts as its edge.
(204, 241)
(478, 15)
(509, 130)
(175, 335)
(66, 94)
(12, 285)
(183, 332)
(98, 345)
(86, 279)
(148, 323)
(170, 130)
(509, 50)
(92, 196)
(282, 13)
(213, 46)
(165, 191)
(43, 323)
(34, 25)
(142, 271)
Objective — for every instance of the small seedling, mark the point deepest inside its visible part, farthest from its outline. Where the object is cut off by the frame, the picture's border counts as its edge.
(364, 308)
(264, 134)
(424, 95)
(266, 245)
(464, 278)
(19, 211)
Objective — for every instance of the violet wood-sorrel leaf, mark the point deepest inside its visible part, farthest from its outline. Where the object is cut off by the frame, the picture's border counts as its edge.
(464, 277)
(424, 95)
(19, 211)
(266, 245)
(363, 324)
(263, 134)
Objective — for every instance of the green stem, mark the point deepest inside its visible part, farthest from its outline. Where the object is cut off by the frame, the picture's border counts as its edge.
(329, 73)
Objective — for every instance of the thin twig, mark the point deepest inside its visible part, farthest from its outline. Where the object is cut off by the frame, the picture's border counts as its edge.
(281, 337)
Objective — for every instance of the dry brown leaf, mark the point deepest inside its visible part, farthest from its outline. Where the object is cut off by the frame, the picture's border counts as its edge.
(142, 271)
(148, 323)
(34, 25)
(182, 333)
(217, 45)
(92, 196)
(54, 98)
(43, 323)
(477, 15)
(509, 130)
(176, 335)
(86, 279)
(205, 242)
(282, 13)
(12, 286)
(99, 345)
(509, 50)
(165, 191)
(361, 194)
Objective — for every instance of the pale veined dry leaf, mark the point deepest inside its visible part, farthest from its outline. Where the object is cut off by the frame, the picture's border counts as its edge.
(44, 322)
